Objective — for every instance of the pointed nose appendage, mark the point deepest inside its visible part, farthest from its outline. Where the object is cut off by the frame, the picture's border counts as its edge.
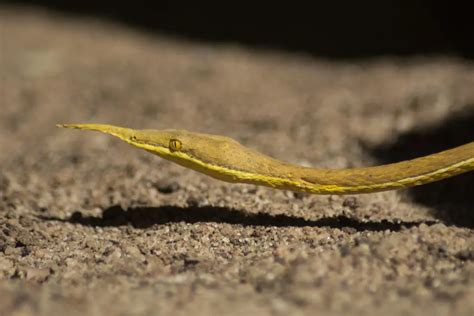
(120, 132)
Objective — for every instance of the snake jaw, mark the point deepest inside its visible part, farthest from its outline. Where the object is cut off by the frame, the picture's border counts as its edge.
(162, 143)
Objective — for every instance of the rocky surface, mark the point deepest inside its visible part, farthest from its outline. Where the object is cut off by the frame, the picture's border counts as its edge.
(89, 225)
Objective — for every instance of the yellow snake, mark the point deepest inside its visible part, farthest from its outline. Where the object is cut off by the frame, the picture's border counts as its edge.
(226, 159)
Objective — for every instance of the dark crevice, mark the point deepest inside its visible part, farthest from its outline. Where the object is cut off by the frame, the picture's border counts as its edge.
(145, 217)
(166, 188)
(465, 255)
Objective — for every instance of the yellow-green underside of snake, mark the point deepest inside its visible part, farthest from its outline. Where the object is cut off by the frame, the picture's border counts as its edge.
(226, 159)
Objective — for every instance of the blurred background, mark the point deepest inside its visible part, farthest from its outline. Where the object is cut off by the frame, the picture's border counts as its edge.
(334, 29)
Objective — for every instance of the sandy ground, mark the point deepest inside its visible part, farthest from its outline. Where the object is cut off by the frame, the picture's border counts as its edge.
(92, 226)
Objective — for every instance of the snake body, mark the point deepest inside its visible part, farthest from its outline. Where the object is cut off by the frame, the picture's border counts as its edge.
(226, 159)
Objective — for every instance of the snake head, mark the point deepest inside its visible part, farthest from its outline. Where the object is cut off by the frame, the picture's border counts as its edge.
(164, 143)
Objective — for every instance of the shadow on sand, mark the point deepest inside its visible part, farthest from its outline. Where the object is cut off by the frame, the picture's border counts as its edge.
(144, 217)
(452, 200)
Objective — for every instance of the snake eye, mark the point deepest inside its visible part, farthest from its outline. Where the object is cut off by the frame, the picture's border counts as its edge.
(133, 138)
(174, 145)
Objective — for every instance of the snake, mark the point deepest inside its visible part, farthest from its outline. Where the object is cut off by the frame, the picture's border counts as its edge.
(226, 159)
